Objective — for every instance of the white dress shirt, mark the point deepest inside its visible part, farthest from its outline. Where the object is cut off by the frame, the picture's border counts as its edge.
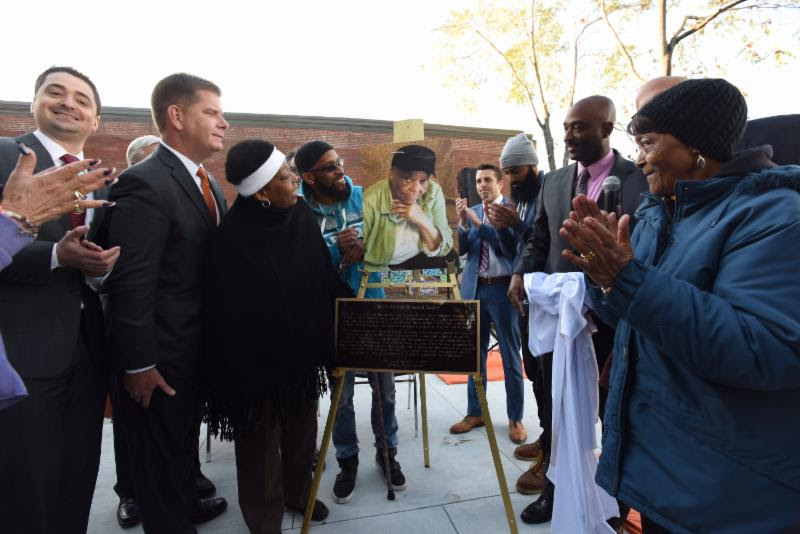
(192, 167)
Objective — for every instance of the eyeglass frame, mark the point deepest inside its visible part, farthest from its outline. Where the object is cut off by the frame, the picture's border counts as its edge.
(330, 167)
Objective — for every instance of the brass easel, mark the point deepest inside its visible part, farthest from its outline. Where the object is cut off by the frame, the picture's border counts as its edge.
(412, 287)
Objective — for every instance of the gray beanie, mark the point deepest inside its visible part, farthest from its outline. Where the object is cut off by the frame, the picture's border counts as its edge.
(519, 150)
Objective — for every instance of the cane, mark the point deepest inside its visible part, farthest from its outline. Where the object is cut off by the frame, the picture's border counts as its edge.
(376, 392)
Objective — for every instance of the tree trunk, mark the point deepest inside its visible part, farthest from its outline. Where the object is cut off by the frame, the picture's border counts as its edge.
(548, 142)
(664, 47)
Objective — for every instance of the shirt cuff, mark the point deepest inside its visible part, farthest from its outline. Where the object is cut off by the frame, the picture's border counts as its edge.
(135, 371)
(54, 258)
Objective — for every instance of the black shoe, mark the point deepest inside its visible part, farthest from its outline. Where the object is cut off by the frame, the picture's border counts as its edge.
(127, 512)
(320, 512)
(398, 479)
(540, 510)
(207, 509)
(205, 488)
(345, 483)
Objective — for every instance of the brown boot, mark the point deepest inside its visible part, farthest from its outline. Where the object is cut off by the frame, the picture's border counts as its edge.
(516, 432)
(533, 480)
(466, 424)
(529, 452)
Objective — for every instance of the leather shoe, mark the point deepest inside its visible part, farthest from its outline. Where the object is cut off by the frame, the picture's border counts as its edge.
(529, 452)
(320, 512)
(540, 510)
(466, 424)
(207, 509)
(127, 512)
(205, 488)
(533, 480)
(516, 432)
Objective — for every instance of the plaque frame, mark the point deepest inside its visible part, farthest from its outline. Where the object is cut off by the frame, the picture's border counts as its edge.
(415, 284)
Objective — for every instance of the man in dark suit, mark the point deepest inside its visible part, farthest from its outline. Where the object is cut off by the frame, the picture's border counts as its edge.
(167, 207)
(587, 131)
(52, 327)
(485, 278)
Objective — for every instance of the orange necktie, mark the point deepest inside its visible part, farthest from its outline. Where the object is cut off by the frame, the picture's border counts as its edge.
(205, 186)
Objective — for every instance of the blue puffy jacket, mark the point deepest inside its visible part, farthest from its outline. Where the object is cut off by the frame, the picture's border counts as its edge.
(702, 422)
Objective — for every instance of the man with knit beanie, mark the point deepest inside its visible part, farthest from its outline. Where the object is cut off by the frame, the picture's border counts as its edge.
(519, 163)
(337, 205)
(587, 130)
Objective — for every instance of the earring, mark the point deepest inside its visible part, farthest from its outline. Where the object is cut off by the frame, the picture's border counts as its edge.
(701, 161)
(266, 203)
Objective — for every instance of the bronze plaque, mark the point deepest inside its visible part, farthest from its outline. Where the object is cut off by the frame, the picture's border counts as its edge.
(435, 336)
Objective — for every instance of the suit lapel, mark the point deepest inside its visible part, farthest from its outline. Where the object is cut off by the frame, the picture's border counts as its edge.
(219, 196)
(187, 183)
(565, 191)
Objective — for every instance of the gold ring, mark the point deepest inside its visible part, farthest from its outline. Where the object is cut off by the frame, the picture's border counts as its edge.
(79, 195)
(589, 257)
(78, 208)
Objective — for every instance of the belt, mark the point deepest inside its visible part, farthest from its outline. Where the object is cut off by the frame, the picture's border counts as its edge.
(491, 280)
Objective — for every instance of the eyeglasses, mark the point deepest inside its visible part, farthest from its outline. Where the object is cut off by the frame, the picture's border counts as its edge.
(330, 167)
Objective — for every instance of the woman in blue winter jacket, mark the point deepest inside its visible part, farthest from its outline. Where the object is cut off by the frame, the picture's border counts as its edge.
(701, 429)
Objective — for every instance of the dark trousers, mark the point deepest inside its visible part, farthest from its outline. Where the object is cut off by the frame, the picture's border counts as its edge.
(531, 365)
(162, 443)
(122, 462)
(50, 450)
(273, 464)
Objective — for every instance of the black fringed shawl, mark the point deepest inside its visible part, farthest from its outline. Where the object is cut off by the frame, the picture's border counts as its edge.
(269, 309)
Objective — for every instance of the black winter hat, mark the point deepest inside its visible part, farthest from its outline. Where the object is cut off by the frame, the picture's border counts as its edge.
(708, 114)
(308, 155)
(414, 158)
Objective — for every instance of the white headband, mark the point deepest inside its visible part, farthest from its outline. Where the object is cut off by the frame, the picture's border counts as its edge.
(261, 177)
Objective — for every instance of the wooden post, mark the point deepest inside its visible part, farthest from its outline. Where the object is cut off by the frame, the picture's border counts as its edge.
(409, 130)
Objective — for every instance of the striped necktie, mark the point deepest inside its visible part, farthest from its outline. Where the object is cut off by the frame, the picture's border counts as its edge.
(484, 267)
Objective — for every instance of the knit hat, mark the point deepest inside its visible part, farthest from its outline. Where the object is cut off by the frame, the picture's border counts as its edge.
(519, 150)
(708, 114)
(308, 155)
(414, 158)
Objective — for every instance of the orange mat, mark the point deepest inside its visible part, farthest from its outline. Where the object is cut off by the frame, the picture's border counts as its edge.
(494, 368)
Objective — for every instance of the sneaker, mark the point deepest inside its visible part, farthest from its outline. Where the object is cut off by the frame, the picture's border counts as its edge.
(398, 479)
(345, 483)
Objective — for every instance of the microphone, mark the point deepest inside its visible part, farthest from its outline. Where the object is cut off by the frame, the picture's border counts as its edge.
(611, 193)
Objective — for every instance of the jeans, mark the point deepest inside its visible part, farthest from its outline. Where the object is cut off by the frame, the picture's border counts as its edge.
(495, 308)
(344, 428)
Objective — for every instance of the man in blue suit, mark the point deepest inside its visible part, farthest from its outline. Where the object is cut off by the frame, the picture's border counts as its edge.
(486, 277)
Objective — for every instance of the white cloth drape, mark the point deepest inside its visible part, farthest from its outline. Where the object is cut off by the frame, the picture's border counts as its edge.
(558, 324)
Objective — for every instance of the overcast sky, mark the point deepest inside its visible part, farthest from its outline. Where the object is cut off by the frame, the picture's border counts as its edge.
(361, 59)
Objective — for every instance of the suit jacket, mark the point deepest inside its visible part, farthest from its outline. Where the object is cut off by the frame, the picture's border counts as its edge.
(543, 244)
(155, 292)
(782, 132)
(470, 242)
(40, 308)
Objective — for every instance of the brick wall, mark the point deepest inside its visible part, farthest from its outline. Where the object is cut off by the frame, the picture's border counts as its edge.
(116, 131)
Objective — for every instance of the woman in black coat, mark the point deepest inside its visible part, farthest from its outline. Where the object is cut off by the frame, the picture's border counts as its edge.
(270, 293)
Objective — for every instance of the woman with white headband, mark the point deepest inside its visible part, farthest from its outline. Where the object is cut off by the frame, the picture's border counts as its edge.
(270, 293)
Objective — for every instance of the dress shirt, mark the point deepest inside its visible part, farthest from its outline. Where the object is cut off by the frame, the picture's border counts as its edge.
(496, 267)
(56, 151)
(192, 167)
(598, 171)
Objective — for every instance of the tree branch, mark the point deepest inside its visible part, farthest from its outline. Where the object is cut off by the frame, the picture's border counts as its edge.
(621, 45)
(702, 22)
(536, 62)
(514, 72)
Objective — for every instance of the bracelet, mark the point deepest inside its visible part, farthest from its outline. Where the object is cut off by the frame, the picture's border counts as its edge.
(25, 224)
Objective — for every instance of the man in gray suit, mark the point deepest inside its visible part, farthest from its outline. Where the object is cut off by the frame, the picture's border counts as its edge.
(52, 327)
(587, 131)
